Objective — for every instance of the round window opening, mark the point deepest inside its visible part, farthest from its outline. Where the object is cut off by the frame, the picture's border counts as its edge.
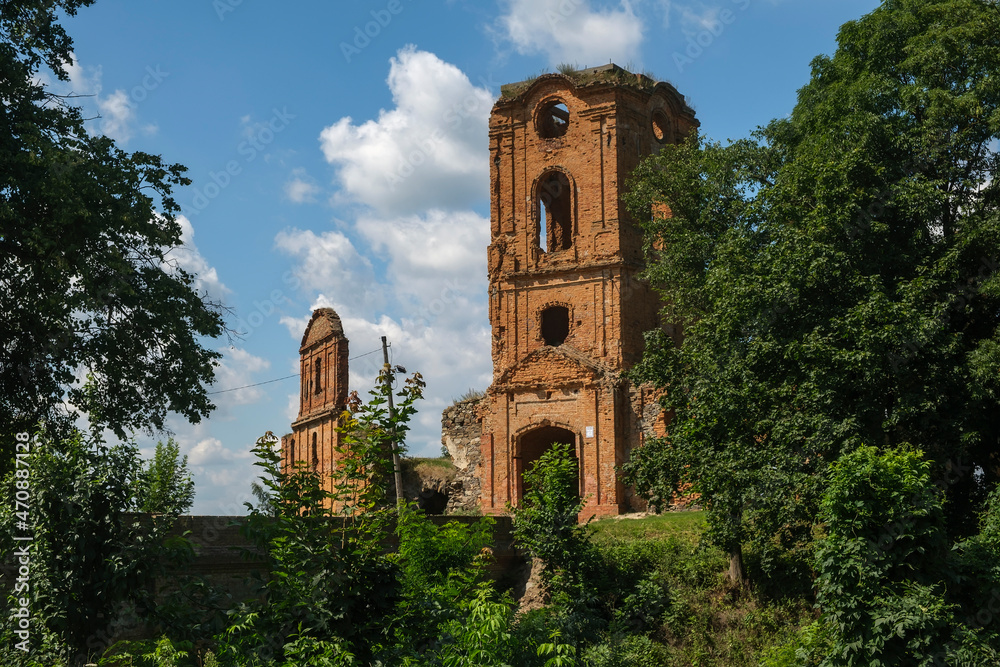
(661, 126)
(553, 120)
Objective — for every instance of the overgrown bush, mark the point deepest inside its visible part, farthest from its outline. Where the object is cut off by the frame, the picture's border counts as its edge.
(628, 651)
(337, 593)
(93, 557)
(891, 588)
(546, 523)
(440, 569)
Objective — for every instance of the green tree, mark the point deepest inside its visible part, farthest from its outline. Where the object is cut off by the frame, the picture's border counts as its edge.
(890, 586)
(88, 286)
(546, 523)
(93, 556)
(166, 486)
(333, 585)
(836, 279)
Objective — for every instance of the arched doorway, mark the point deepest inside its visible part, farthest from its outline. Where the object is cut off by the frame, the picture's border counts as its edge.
(534, 443)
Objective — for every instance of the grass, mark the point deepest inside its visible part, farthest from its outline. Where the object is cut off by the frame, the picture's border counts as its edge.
(440, 467)
(435, 462)
(686, 527)
(470, 394)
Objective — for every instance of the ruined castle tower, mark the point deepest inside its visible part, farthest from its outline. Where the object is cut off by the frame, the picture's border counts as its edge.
(566, 308)
(323, 375)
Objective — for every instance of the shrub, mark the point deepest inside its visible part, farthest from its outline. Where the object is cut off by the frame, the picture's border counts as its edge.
(94, 557)
(887, 577)
(546, 523)
(439, 569)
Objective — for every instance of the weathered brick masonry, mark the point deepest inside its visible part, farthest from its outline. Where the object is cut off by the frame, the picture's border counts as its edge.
(566, 308)
(323, 376)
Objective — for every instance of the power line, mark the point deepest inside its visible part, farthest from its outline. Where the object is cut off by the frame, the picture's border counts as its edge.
(247, 386)
(293, 375)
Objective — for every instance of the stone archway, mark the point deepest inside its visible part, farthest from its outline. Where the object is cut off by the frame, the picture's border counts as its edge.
(532, 444)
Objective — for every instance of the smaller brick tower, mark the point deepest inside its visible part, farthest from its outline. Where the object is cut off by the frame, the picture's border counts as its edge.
(322, 397)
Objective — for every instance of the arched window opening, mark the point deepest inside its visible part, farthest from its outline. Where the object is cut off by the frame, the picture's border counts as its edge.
(315, 454)
(661, 126)
(555, 325)
(543, 236)
(318, 375)
(535, 443)
(553, 120)
(555, 212)
(291, 454)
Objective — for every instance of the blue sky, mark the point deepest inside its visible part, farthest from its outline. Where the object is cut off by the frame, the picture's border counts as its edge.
(338, 153)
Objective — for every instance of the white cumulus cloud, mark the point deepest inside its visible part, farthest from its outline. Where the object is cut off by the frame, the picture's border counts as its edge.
(329, 262)
(236, 370)
(187, 256)
(430, 247)
(573, 31)
(411, 263)
(116, 113)
(211, 451)
(300, 188)
(429, 151)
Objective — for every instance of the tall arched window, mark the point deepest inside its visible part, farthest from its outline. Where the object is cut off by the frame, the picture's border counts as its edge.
(318, 375)
(554, 205)
(315, 454)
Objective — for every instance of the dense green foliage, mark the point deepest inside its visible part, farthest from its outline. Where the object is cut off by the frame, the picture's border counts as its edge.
(634, 592)
(892, 588)
(651, 594)
(331, 578)
(93, 556)
(546, 522)
(336, 594)
(836, 280)
(87, 286)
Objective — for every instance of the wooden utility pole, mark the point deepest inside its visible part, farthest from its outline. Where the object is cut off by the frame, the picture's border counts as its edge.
(387, 378)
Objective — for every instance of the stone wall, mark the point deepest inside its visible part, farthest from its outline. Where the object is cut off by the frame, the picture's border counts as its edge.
(224, 559)
(220, 549)
(461, 433)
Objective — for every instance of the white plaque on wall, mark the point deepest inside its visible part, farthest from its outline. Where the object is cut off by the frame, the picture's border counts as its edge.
(590, 431)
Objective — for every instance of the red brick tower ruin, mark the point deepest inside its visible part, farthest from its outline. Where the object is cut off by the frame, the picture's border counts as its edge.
(323, 396)
(566, 309)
